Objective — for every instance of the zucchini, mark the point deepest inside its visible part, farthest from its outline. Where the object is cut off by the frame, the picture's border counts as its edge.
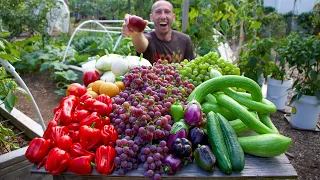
(265, 145)
(210, 98)
(217, 143)
(265, 106)
(244, 115)
(238, 126)
(235, 151)
(222, 82)
(265, 119)
(208, 106)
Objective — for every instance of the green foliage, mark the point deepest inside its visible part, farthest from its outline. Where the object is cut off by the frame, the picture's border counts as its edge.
(303, 56)
(19, 15)
(6, 136)
(279, 67)
(273, 24)
(7, 84)
(256, 58)
(109, 10)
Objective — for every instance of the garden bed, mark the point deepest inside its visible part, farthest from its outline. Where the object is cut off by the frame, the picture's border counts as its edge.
(13, 163)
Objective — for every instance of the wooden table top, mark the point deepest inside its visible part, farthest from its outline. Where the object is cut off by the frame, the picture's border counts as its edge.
(255, 167)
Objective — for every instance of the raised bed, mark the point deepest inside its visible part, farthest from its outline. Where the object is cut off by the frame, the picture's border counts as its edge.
(14, 165)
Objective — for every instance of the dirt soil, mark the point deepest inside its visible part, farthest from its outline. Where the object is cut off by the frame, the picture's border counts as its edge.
(304, 153)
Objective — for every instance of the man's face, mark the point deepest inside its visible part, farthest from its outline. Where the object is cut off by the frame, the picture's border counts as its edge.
(163, 17)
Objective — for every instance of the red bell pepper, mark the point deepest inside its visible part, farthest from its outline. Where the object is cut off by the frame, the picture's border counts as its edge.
(47, 133)
(81, 165)
(73, 126)
(79, 115)
(56, 133)
(106, 120)
(109, 135)
(76, 150)
(37, 150)
(89, 136)
(68, 105)
(105, 156)
(100, 107)
(82, 105)
(104, 98)
(57, 161)
(93, 118)
(64, 142)
(75, 136)
(42, 162)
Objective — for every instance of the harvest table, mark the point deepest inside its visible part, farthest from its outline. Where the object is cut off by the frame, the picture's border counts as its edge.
(255, 168)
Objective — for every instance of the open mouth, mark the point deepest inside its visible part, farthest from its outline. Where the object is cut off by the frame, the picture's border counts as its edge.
(163, 24)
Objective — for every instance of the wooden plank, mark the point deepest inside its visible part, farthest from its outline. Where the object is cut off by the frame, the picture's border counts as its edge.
(22, 122)
(255, 167)
(14, 167)
(23, 173)
(13, 157)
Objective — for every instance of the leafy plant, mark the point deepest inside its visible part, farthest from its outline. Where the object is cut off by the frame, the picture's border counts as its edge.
(7, 84)
(303, 56)
(256, 58)
(6, 136)
(32, 16)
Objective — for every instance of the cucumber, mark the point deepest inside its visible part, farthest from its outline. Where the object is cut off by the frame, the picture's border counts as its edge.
(210, 98)
(265, 145)
(265, 106)
(217, 143)
(208, 106)
(265, 119)
(238, 126)
(244, 115)
(235, 151)
(222, 82)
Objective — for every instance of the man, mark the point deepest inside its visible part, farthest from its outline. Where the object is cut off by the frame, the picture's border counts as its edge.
(162, 43)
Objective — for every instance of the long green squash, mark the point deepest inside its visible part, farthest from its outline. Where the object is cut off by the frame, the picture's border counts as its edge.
(265, 107)
(238, 126)
(265, 119)
(208, 106)
(265, 145)
(222, 82)
(244, 115)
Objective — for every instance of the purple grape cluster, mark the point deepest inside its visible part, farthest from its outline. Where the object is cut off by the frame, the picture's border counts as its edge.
(151, 156)
(141, 112)
(126, 158)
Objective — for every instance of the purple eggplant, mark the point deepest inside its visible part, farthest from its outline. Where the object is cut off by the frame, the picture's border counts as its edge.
(193, 114)
(171, 164)
(197, 136)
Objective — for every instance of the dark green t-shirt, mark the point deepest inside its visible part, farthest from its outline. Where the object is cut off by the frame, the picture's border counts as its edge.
(175, 50)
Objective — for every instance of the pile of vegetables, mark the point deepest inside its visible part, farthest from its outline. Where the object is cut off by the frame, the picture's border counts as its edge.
(111, 66)
(79, 135)
(252, 112)
(158, 119)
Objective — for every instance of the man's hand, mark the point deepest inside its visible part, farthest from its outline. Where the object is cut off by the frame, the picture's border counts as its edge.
(132, 31)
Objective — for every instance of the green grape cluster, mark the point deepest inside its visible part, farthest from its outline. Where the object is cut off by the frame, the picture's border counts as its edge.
(198, 70)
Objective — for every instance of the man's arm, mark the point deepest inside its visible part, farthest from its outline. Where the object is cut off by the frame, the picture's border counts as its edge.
(140, 42)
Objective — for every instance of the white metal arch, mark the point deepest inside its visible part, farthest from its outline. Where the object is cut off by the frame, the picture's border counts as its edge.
(104, 29)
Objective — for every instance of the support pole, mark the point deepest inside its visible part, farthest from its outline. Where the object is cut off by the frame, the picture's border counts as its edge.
(185, 15)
